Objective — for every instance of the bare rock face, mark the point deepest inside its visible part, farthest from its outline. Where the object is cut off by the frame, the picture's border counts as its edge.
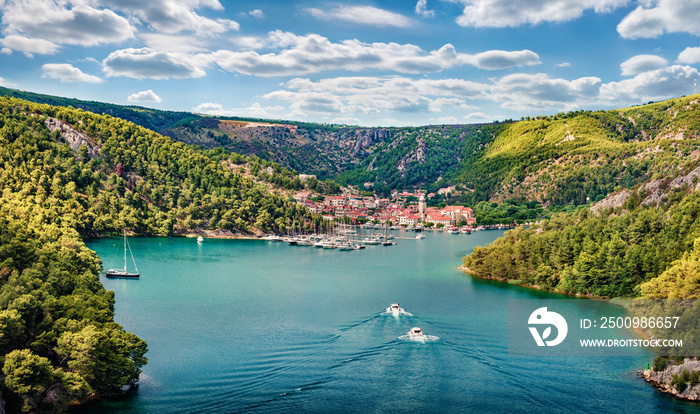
(662, 379)
(74, 138)
(417, 155)
(612, 201)
(655, 191)
(365, 138)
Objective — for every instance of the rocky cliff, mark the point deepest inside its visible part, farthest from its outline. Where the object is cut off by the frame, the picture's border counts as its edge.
(663, 380)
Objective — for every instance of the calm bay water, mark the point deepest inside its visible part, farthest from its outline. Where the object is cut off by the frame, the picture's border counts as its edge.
(256, 326)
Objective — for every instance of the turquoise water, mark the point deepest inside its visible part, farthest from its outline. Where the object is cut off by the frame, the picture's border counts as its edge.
(255, 326)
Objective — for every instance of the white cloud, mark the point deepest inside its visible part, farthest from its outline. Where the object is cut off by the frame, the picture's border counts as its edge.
(563, 65)
(174, 43)
(656, 17)
(642, 63)
(501, 59)
(29, 46)
(173, 16)
(314, 53)
(4, 82)
(345, 121)
(151, 64)
(508, 13)
(361, 96)
(475, 115)
(422, 9)
(210, 108)
(367, 15)
(373, 95)
(67, 73)
(523, 91)
(144, 96)
(258, 111)
(249, 42)
(257, 13)
(61, 22)
(653, 85)
(689, 55)
(446, 120)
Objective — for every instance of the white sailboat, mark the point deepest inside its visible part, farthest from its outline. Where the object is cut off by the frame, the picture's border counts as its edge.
(124, 273)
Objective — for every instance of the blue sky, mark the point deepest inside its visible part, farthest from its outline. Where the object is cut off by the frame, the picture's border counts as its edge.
(372, 63)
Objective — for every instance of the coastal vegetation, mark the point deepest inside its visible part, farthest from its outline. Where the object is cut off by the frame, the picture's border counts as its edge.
(66, 174)
(632, 250)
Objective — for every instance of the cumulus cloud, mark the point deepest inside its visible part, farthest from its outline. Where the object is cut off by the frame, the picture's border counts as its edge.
(62, 23)
(4, 82)
(507, 13)
(144, 96)
(314, 53)
(67, 73)
(653, 85)
(501, 59)
(151, 64)
(258, 111)
(642, 63)
(689, 55)
(563, 65)
(366, 15)
(257, 13)
(362, 96)
(174, 43)
(173, 16)
(373, 95)
(422, 9)
(661, 16)
(29, 46)
(523, 91)
(210, 108)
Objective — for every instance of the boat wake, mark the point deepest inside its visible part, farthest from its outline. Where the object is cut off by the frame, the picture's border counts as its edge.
(421, 338)
(396, 311)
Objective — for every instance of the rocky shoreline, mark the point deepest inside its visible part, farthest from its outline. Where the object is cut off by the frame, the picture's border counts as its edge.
(661, 380)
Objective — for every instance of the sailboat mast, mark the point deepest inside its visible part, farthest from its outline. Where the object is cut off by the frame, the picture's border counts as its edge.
(125, 250)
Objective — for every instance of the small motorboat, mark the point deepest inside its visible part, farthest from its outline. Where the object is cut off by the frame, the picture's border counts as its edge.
(200, 239)
(416, 335)
(395, 309)
(415, 332)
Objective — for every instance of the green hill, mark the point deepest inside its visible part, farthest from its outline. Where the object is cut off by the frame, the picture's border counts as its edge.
(66, 174)
(583, 156)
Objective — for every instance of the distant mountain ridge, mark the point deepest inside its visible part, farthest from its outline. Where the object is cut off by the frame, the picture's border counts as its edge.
(570, 158)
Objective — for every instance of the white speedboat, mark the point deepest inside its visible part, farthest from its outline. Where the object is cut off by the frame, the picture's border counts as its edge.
(394, 309)
(416, 332)
(344, 246)
(200, 239)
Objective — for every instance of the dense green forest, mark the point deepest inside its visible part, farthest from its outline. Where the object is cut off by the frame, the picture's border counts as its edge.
(66, 174)
(582, 156)
(634, 250)
(569, 158)
(419, 157)
(123, 176)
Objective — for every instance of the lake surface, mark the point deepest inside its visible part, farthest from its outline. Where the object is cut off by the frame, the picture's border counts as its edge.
(256, 326)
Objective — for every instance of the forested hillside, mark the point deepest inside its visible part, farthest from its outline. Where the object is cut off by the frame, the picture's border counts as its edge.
(66, 174)
(582, 156)
(643, 242)
(101, 174)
